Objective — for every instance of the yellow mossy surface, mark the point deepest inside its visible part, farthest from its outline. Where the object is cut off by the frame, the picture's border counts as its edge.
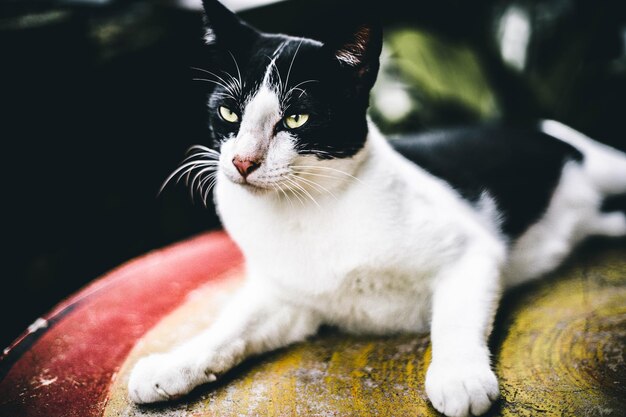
(563, 353)
(558, 348)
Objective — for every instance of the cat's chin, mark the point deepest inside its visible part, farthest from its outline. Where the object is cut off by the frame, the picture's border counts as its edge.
(252, 188)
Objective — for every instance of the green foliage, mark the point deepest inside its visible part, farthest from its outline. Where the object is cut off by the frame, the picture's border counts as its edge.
(444, 80)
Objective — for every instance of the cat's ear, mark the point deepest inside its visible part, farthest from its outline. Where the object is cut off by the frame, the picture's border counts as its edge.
(358, 51)
(224, 29)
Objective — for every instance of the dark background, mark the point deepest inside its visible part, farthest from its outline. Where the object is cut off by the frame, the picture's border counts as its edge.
(98, 106)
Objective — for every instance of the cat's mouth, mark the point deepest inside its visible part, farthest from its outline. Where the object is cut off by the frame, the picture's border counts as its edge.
(254, 188)
(250, 184)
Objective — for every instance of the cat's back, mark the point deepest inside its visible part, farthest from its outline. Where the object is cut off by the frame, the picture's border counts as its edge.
(519, 168)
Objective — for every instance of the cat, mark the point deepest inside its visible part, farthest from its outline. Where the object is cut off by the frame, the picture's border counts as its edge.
(340, 226)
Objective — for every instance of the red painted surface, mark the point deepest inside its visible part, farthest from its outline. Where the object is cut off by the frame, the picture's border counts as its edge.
(68, 371)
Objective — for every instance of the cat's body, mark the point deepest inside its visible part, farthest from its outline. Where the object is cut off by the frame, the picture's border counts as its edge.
(386, 235)
(339, 228)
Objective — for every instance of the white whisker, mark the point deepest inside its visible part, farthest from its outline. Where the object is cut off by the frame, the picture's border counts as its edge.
(225, 83)
(305, 82)
(200, 156)
(322, 175)
(204, 149)
(203, 178)
(238, 72)
(201, 185)
(210, 186)
(296, 87)
(294, 191)
(200, 174)
(317, 186)
(187, 174)
(328, 169)
(280, 80)
(221, 84)
(204, 160)
(278, 187)
(216, 83)
(176, 172)
(195, 162)
(300, 187)
(293, 58)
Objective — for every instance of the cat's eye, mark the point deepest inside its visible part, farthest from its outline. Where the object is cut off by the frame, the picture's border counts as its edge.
(296, 120)
(228, 115)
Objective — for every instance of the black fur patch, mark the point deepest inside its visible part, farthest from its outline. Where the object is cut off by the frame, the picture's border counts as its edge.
(614, 203)
(518, 168)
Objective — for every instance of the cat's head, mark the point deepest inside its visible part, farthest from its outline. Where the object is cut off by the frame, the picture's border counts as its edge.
(287, 113)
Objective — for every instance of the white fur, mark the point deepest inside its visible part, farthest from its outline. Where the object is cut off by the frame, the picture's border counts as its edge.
(385, 247)
(605, 166)
(574, 210)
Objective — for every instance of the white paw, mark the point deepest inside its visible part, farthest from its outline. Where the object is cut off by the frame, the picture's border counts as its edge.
(613, 224)
(458, 389)
(163, 377)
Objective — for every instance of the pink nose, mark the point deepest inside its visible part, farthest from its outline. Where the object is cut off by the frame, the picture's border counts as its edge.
(245, 166)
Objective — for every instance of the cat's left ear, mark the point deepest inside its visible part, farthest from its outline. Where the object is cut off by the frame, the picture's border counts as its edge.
(358, 51)
(224, 29)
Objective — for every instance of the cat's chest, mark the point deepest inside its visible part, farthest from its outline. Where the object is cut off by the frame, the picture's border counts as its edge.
(302, 241)
(326, 248)
(354, 281)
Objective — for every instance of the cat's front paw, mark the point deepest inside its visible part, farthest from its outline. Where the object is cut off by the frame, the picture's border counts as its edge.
(458, 389)
(163, 377)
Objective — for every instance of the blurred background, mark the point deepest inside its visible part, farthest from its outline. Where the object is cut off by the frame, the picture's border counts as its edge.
(98, 106)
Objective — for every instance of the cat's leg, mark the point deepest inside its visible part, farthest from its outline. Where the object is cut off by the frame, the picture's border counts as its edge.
(611, 224)
(255, 321)
(459, 380)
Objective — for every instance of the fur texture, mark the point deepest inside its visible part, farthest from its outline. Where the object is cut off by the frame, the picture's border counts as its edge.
(338, 227)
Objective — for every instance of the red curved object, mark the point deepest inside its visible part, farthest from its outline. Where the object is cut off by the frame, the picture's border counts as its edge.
(65, 363)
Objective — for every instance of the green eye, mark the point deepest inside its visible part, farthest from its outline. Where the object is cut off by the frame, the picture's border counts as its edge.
(296, 120)
(228, 115)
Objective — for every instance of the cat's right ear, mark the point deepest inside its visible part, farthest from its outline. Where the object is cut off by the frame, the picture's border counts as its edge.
(357, 48)
(224, 29)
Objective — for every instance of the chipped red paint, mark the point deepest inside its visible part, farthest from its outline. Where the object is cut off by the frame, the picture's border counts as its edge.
(67, 371)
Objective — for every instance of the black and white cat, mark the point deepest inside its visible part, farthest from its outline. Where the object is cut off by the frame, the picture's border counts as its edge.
(339, 226)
